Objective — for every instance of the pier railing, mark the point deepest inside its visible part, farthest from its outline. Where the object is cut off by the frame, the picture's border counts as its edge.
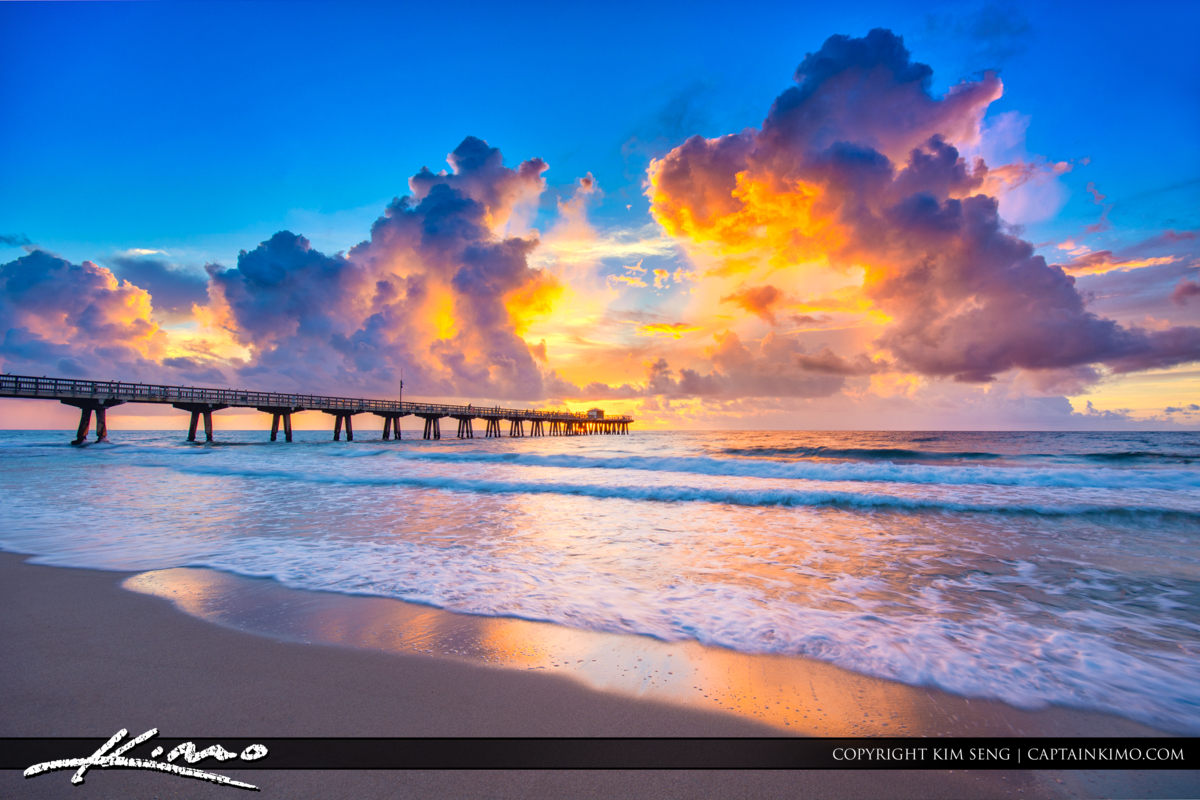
(75, 389)
(97, 396)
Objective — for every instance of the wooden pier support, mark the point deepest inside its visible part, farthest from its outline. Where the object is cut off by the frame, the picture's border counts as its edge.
(516, 427)
(535, 428)
(433, 428)
(280, 414)
(198, 409)
(493, 427)
(340, 418)
(391, 424)
(464, 428)
(86, 407)
(287, 426)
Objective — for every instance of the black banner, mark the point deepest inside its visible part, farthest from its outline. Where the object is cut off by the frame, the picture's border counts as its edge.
(618, 753)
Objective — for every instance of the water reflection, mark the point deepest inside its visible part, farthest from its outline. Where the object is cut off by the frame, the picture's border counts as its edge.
(795, 695)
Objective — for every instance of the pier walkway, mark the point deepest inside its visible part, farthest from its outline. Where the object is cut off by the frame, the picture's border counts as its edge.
(99, 396)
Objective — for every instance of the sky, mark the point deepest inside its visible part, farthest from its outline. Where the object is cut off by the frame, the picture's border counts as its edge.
(762, 215)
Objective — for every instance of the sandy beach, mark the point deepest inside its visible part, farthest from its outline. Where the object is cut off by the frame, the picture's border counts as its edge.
(84, 656)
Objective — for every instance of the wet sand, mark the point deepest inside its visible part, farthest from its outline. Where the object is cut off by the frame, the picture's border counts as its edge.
(83, 656)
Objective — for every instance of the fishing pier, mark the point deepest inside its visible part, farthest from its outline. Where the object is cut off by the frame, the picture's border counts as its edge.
(96, 397)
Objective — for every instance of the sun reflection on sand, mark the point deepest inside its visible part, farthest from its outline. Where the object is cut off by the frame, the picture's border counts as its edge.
(796, 695)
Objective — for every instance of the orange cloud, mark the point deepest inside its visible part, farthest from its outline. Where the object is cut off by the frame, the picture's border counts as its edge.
(673, 329)
(1102, 261)
(764, 217)
(825, 183)
(533, 300)
(757, 300)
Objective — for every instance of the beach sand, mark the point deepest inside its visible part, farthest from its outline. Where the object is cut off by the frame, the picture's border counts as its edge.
(83, 656)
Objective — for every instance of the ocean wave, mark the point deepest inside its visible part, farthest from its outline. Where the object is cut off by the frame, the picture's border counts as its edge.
(905, 454)
(1139, 455)
(865, 453)
(875, 472)
(676, 494)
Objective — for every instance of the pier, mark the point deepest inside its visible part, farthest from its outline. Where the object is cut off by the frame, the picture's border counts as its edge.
(96, 397)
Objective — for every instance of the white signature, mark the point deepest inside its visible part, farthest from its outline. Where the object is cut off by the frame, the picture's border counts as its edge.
(103, 759)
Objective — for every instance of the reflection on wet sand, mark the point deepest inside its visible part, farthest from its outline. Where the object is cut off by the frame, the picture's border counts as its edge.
(796, 695)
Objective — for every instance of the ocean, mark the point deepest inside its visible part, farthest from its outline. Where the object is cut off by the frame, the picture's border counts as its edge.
(1030, 568)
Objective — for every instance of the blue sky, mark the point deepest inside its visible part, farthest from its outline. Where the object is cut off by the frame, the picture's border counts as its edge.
(205, 127)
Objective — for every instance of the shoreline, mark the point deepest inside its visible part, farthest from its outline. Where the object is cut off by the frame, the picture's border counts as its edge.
(84, 657)
(793, 695)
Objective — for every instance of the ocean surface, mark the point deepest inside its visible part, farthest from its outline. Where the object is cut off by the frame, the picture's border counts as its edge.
(1030, 568)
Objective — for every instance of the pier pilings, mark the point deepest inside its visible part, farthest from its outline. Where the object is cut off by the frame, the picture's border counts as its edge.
(433, 428)
(280, 415)
(391, 423)
(197, 410)
(86, 407)
(340, 418)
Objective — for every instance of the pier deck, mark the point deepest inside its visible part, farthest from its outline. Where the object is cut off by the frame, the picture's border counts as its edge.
(99, 396)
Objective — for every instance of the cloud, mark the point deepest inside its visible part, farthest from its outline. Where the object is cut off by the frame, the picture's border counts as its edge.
(175, 290)
(867, 91)
(1001, 31)
(1179, 241)
(758, 300)
(858, 166)
(774, 367)
(438, 290)
(14, 240)
(673, 329)
(1190, 408)
(1133, 294)
(1102, 224)
(76, 319)
(681, 114)
(1101, 261)
(990, 35)
(829, 363)
(1183, 290)
(628, 280)
(809, 319)
(611, 244)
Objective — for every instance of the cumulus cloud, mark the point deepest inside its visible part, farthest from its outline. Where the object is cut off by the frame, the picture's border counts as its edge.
(859, 166)
(175, 290)
(76, 319)
(437, 290)
(777, 366)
